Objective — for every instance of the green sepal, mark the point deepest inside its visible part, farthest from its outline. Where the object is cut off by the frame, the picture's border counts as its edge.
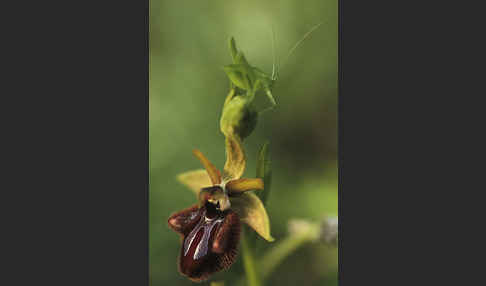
(195, 180)
(239, 117)
(252, 212)
(238, 75)
(232, 48)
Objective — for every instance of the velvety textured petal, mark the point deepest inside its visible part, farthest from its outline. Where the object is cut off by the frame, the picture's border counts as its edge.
(183, 221)
(211, 246)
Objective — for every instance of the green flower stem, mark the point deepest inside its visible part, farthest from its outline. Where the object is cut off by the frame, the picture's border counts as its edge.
(285, 247)
(252, 277)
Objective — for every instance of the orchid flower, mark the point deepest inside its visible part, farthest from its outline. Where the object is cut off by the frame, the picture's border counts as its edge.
(210, 230)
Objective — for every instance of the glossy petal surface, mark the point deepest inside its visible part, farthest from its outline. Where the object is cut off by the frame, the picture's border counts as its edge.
(209, 240)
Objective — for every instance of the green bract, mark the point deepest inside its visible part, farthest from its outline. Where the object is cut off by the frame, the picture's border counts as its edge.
(240, 115)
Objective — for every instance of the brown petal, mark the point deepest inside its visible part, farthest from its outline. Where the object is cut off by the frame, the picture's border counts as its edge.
(228, 233)
(183, 221)
(213, 173)
(210, 247)
(243, 185)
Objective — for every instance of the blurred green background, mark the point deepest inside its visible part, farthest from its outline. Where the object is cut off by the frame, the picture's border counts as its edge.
(188, 47)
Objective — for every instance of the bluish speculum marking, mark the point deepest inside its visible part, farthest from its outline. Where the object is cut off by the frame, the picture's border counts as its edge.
(197, 243)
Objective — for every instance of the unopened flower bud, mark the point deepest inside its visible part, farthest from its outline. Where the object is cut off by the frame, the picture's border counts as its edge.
(239, 117)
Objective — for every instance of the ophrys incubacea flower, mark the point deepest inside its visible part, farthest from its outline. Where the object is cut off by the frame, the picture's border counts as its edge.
(210, 230)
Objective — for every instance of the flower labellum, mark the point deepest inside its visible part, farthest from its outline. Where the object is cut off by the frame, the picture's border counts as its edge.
(210, 239)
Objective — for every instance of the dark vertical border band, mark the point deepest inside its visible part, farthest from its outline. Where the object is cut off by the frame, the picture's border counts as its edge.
(78, 158)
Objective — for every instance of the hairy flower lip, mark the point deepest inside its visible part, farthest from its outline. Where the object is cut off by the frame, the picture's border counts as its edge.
(210, 239)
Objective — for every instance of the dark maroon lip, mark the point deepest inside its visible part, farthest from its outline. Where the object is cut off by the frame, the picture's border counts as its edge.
(210, 239)
(198, 242)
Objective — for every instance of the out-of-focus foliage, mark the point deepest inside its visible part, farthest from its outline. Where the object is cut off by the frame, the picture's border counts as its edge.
(188, 48)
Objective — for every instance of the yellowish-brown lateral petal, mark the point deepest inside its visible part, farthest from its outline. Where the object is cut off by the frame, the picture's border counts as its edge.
(244, 184)
(213, 173)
